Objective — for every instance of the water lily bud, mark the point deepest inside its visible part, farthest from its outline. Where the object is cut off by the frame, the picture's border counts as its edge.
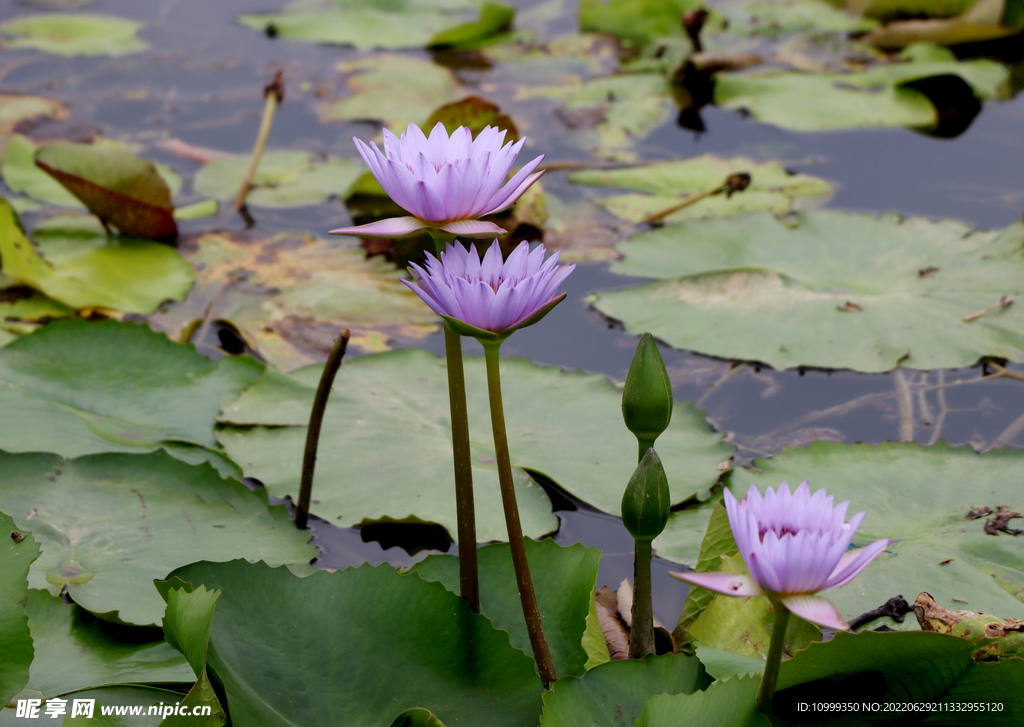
(645, 504)
(647, 396)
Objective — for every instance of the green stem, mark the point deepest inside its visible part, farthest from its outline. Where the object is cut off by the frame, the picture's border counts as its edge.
(644, 445)
(641, 633)
(766, 692)
(316, 418)
(515, 531)
(465, 514)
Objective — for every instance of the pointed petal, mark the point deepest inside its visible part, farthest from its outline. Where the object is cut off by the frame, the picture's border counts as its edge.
(473, 228)
(515, 187)
(853, 562)
(391, 227)
(817, 610)
(727, 583)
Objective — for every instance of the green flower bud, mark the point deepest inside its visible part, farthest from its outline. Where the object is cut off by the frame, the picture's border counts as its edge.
(647, 396)
(645, 504)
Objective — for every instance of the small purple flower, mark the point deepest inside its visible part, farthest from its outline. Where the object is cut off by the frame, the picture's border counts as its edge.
(794, 545)
(490, 299)
(445, 183)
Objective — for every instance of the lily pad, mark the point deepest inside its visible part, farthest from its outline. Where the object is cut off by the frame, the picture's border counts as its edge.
(94, 271)
(75, 35)
(495, 18)
(283, 178)
(564, 579)
(878, 96)
(828, 289)
(726, 703)
(393, 89)
(76, 651)
(16, 555)
(120, 188)
(636, 21)
(16, 108)
(21, 303)
(130, 390)
(615, 693)
(109, 524)
(22, 175)
(772, 188)
(353, 625)
(566, 425)
(392, 25)
(916, 496)
(291, 295)
(774, 17)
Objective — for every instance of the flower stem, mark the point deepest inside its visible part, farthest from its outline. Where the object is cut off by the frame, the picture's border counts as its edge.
(515, 531)
(274, 95)
(316, 418)
(465, 514)
(644, 445)
(641, 633)
(766, 692)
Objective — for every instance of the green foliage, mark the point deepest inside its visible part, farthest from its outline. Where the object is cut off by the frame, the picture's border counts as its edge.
(717, 545)
(636, 21)
(16, 555)
(646, 501)
(283, 178)
(726, 703)
(647, 394)
(74, 35)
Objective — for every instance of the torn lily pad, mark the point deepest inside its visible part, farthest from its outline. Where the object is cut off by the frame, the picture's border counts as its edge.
(75, 35)
(283, 178)
(827, 289)
(772, 188)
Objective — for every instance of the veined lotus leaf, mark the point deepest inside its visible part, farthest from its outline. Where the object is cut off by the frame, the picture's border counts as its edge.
(828, 289)
(726, 703)
(17, 553)
(110, 524)
(566, 425)
(74, 35)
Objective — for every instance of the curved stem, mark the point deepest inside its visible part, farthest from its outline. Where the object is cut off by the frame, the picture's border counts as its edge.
(641, 633)
(465, 512)
(766, 692)
(515, 531)
(316, 418)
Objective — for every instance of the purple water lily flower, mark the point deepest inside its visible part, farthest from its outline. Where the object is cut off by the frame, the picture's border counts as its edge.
(490, 299)
(445, 182)
(794, 545)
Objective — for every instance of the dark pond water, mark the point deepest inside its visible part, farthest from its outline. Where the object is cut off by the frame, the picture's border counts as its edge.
(202, 84)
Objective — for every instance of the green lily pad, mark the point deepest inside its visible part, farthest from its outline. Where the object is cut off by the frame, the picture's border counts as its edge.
(354, 625)
(828, 289)
(636, 21)
(292, 294)
(394, 89)
(130, 390)
(609, 114)
(716, 545)
(76, 651)
(22, 175)
(566, 425)
(775, 17)
(94, 271)
(771, 188)
(916, 496)
(683, 536)
(614, 693)
(283, 178)
(726, 703)
(878, 96)
(392, 25)
(564, 579)
(21, 303)
(17, 553)
(16, 108)
(495, 18)
(120, 188)
(75, 35)
(111, 523)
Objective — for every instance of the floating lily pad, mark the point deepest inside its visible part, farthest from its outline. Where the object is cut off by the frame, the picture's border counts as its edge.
(291, 295)
(17, 553)
(564, 579)
(774, 17)
(566, 425)
(393, 89)
(476, 114)
(283, 178)
(75, 651)
(828, 289)
(392, 25)
(94, 271)
(726, 703)
(609, 114)
(22, 175)
(920, 498)
(495, 18)
(19, 302)
(109, 524)
(75, 35)
(636, 21)
(772, 188)
(16, 108)
(120, 188)
(615, 693)
(354, 625)
(878, 96)
(129, 390)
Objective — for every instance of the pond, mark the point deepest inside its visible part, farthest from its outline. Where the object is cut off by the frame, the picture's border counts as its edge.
(893, 193)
